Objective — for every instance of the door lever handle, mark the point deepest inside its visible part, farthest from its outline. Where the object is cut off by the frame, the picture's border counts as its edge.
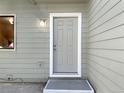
(54, 48)
(54, 45)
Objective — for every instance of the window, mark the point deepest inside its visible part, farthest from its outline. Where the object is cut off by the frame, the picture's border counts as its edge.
(7, 32)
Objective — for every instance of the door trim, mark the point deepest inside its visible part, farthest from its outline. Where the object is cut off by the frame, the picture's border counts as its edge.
(78, 15)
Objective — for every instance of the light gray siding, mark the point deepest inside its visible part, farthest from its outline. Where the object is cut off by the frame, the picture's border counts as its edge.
(105, 67)
(30, 61)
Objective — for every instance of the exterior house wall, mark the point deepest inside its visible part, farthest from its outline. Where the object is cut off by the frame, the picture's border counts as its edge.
(30, 60)
(106, 45)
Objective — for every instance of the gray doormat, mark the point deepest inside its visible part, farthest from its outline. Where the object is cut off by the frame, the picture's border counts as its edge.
(68, 85)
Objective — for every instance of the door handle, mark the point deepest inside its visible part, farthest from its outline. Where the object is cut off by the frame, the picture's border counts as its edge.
(54, 47)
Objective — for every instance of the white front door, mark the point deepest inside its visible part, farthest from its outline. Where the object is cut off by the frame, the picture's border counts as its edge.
(65, 46)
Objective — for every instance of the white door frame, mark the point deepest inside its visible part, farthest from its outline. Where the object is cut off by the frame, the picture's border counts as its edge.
(78, 15)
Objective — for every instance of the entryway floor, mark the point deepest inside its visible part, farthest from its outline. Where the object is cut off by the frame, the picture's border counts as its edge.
(21, 88)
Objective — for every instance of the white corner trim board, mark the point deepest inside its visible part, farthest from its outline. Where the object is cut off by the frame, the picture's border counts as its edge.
(66, 15)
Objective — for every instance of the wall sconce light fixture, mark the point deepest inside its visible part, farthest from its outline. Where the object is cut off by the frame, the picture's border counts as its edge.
(43, 22)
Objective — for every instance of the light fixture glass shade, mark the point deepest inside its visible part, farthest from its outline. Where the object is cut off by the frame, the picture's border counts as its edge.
(43, 23)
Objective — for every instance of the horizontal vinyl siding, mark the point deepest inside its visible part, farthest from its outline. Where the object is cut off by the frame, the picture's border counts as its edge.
(105, 67)
(30, 60)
